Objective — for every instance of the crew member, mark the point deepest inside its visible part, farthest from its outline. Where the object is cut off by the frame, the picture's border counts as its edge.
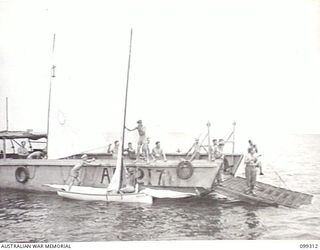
(158, 153)
(196, 147)
(22, 151)
(130, 151)
(75, 171)
(37, 155)
(219, 158)
(255, 149)
(109, 150)
(142, 136)
(251, 162)
(115, 149)
(213, 148)
(146, 150)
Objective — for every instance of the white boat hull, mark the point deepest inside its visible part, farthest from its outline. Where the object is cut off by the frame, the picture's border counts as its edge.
(169, 194)
(99, 194)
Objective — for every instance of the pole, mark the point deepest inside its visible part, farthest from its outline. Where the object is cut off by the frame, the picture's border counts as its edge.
(7, 128)
(233, 141)
(209, 141)
(7, 114)
(50, 87)
(125, 110)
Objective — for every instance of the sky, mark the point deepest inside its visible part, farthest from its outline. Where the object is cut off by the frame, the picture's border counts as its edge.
(253, 62)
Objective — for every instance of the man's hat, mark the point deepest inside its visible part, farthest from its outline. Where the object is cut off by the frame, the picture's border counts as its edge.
(139, 121)
(84, 156)
(157, 142)
(221, 142)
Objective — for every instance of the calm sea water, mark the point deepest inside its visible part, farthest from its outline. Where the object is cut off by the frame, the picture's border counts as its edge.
(38, 217)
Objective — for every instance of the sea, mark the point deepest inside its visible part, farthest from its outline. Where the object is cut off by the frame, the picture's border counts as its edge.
(292, 162)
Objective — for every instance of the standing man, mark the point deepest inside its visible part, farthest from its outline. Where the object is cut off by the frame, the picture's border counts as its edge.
(255, 149)
(146, 150)
(214, 148)
(75, 171)
(142, 137)
(219, 157)
(251, 162)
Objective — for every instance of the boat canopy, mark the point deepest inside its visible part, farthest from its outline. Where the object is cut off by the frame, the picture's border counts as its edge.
(22, 135)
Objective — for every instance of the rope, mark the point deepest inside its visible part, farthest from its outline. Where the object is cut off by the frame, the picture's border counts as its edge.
(284, 183)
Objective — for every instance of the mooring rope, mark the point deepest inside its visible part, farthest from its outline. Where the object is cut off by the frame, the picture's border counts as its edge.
(284, 183)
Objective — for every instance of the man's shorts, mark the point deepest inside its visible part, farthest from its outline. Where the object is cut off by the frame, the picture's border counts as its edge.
(142, 140)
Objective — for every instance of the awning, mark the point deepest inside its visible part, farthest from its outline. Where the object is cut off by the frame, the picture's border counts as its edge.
(21, 135)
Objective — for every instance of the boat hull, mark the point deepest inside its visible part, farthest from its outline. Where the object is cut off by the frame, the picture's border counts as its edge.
(132, 198)
(161, 175)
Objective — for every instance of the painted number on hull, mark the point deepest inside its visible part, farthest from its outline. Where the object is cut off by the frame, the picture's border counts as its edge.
(156, 174)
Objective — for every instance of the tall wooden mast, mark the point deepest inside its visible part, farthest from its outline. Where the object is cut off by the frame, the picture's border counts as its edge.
(50, 86)
(125, 111)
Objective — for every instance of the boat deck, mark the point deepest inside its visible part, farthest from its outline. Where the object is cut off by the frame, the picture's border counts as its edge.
(265, 194)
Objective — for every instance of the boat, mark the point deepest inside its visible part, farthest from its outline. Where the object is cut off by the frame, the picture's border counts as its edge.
(177, 174)
(115, 190)
(99, 194)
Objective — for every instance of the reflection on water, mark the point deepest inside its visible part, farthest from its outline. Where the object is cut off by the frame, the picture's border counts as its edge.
(34, 217)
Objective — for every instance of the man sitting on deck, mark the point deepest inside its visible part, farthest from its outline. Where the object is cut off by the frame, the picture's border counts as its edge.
(251, 162)
(37, 155)
(158, 153)
(130, 151)
(22, 151)
(196, 147)
(115, 150)
(75, 171)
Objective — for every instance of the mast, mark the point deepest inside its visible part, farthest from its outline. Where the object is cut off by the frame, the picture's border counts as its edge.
(7, 115)
(7, 129)
(50, 86)
(233, 140)
(209, 141)
(125, 111)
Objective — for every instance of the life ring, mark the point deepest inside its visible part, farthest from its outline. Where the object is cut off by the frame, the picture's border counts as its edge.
(184, 170)
(22, 174)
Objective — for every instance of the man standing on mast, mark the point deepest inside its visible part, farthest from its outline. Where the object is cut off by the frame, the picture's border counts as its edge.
(142, 138)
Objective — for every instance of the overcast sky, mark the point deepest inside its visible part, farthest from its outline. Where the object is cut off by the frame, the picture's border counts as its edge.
(255, 62)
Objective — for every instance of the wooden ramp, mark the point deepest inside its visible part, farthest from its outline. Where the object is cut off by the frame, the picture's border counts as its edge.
(265, 194)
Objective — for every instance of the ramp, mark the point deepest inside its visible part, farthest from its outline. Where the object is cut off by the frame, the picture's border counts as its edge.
(265, 194)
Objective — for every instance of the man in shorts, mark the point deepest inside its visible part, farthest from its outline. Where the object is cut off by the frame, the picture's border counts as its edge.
(142, 137)
(75, 171)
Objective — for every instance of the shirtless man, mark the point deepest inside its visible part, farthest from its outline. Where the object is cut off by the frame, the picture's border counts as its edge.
(37, 155)
(158, 153)
(142, 137)
(196, 147)
(75, 171)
